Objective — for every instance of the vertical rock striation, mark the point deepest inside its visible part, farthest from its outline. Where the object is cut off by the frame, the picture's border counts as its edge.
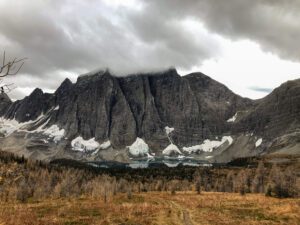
(122, 109)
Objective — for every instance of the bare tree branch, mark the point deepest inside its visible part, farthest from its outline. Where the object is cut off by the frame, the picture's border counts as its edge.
(6, 88)
(8, 69)
(11, 67)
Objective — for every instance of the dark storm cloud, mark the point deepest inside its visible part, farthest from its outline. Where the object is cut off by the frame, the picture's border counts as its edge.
(65, 36)
(274, 24)
(74, 35)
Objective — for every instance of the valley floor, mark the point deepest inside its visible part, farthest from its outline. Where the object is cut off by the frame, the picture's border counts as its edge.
(156, 208)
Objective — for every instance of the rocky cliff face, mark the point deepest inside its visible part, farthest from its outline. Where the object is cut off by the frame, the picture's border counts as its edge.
(5, 102)
(30, 107)
(112, 116)
(276, 114)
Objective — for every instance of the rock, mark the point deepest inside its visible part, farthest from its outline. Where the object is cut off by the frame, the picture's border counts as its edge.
(275, 115)
(121, 109)
(5, 102)
(31, 107)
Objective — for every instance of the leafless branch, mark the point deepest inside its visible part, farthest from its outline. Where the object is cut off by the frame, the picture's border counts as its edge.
(11, 67)
(6, 88)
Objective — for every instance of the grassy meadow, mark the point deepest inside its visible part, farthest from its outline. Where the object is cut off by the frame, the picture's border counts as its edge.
(156, 208)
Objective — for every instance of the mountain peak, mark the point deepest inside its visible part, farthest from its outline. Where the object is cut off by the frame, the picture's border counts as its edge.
(97, 72)
(104, 107)
(36, 91)
(66, 84)
(5, 102)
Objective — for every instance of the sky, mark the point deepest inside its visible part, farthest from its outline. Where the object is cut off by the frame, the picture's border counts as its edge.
(250, 46)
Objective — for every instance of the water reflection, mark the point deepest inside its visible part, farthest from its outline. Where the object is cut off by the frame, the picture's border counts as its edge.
(153, 162)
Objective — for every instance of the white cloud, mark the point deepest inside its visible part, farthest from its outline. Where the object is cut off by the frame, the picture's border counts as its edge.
(235, 42)
(243, 64)
(132, 4)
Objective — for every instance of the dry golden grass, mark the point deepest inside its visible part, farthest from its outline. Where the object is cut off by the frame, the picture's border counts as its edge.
(156, 208)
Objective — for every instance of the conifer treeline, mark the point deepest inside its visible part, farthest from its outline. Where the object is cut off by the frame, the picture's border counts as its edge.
(22, 179)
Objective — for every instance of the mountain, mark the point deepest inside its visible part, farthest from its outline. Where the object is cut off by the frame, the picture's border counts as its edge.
(5, 102)
(104, 117)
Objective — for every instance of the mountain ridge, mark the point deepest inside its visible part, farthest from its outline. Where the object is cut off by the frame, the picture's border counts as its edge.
(106, 108)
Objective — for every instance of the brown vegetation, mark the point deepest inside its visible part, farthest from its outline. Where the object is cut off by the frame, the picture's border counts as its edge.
(34, 191)
(156, 208)
(22, 180)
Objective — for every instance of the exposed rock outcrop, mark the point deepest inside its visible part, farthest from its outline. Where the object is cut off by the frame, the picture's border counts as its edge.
(5, 102)
(122, 109)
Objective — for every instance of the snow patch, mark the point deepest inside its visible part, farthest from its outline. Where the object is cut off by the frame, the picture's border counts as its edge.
(139, 147)
(169, 130)
(56, 108)
(7, 126)
(190, 164)
(104, 145)
(171, 164)
(180, 157)
(150, 156)
(170, 149)
(232, 119)
(79, 144)
(55, 132)
(208, 145)
(258, 142)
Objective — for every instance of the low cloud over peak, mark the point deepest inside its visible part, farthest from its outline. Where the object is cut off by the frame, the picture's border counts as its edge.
(67, 38)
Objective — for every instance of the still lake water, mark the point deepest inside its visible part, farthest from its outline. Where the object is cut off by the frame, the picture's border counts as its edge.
(152, 163)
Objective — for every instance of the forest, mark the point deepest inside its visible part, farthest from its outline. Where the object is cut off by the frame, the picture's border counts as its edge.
(23, 180)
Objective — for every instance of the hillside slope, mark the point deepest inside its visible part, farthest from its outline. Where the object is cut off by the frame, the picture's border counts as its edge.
(102, 116)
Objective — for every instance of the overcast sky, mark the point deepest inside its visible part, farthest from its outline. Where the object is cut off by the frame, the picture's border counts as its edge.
(251, 46)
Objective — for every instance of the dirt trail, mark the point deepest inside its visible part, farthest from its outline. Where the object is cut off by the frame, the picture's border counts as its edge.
(186, 218)
(173, 214)
(184, 215)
